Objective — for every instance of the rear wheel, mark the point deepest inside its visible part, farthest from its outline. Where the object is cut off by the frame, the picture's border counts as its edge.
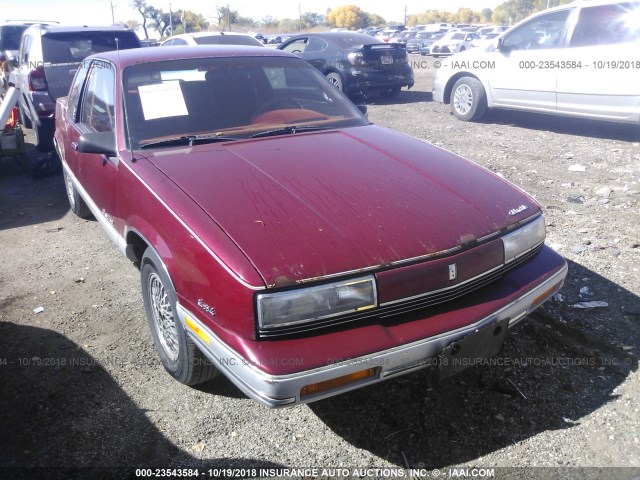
(24, 120)
(391, 92)
(468, 99)
(179, 355)
(43, 134)
(77, 204)
(336, 80)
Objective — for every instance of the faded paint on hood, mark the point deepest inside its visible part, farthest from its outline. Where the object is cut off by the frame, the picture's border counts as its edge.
(308, 205)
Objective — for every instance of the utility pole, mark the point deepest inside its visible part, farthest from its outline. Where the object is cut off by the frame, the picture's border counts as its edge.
(170, 20)
(299, 18)
(113, 18)
(405, 15)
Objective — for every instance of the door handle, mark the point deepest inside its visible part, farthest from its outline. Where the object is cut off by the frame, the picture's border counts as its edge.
(74, 145)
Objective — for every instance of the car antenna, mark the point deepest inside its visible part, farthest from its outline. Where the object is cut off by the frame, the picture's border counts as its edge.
(124, 105)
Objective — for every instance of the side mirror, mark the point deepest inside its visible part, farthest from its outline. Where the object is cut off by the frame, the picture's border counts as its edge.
(500, 46)
(103, 143)
(363, 109)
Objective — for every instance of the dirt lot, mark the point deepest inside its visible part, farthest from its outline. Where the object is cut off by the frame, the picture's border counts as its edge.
(81, 385)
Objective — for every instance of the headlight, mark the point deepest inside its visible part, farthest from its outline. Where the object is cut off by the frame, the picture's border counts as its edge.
(315, 303)
(524, 239)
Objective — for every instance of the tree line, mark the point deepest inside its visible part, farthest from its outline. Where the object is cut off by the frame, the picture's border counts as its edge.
(346, 16)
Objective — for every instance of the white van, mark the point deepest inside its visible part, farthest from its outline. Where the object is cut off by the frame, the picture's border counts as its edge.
(581, 59)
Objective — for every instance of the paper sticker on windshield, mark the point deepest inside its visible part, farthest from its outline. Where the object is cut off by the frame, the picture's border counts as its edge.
(162, 100)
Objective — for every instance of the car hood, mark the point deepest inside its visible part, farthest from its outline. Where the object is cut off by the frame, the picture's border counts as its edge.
(306, 206)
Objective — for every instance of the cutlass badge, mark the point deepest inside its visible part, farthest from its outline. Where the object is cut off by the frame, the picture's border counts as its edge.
(207, 308)
(517, 210)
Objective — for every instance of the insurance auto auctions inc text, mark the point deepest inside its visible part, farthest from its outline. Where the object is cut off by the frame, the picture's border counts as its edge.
(375, 473)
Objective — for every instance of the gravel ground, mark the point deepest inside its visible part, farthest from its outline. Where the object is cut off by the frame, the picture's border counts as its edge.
(81, 385)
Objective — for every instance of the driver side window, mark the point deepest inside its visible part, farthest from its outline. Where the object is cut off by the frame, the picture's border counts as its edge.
(545, 31)
(98, 106)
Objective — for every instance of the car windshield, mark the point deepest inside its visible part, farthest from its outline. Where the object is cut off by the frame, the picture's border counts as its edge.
(230, 98)
(457, 36)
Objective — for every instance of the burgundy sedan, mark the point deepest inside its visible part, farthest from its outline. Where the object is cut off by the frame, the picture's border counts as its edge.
(282, 239)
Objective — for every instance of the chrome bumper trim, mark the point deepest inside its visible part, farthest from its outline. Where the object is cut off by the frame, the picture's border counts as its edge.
(284, 390)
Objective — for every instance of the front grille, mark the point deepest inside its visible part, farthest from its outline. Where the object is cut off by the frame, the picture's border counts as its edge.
(443, 50)
(405, 306)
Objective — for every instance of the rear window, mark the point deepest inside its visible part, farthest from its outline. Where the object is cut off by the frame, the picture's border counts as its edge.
(228, 40)
(10, 36)
(73, 47)
(607, 24)
(349, 41)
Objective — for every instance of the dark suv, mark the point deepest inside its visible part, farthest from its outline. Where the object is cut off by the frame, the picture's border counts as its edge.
(47, 61)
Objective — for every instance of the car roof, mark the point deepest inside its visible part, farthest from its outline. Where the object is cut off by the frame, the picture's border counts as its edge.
(208, 34)
(134, 56)
(362, 37)
(46, 28)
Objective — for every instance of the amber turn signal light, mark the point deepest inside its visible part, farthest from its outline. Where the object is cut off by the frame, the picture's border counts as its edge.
(320, 387)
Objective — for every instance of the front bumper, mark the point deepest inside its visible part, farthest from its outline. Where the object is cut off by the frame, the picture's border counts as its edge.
(439, 83)
(444, 50)
(288, 390)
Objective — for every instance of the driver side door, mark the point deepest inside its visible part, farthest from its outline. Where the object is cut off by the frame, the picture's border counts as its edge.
(98, 173)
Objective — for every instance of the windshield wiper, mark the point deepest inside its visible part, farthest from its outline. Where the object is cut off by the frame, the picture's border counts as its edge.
(189, 140)
(288, 131)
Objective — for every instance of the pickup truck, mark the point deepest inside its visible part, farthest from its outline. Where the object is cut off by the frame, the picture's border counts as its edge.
(282, 239)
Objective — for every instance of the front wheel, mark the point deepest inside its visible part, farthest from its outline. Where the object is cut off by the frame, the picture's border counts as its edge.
(468, 99)
(178, 353)
(336, 80)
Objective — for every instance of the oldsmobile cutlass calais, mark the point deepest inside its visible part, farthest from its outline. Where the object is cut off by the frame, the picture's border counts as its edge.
(283, 239)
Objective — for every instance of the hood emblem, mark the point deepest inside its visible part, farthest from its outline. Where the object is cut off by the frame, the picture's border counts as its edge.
(517, 210)
(453, 271)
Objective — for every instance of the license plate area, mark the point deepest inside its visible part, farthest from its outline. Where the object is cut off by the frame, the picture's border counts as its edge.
(386, 60)
(473, 349)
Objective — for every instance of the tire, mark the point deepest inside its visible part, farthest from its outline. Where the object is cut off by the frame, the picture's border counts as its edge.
(43, 135)
(336, 80)
(468, 99)
(391, 92)
(180, 356)
(24, 120)
(462, 49)
(77, 204)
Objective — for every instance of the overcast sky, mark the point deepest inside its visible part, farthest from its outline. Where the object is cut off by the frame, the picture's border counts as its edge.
(98, 12)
